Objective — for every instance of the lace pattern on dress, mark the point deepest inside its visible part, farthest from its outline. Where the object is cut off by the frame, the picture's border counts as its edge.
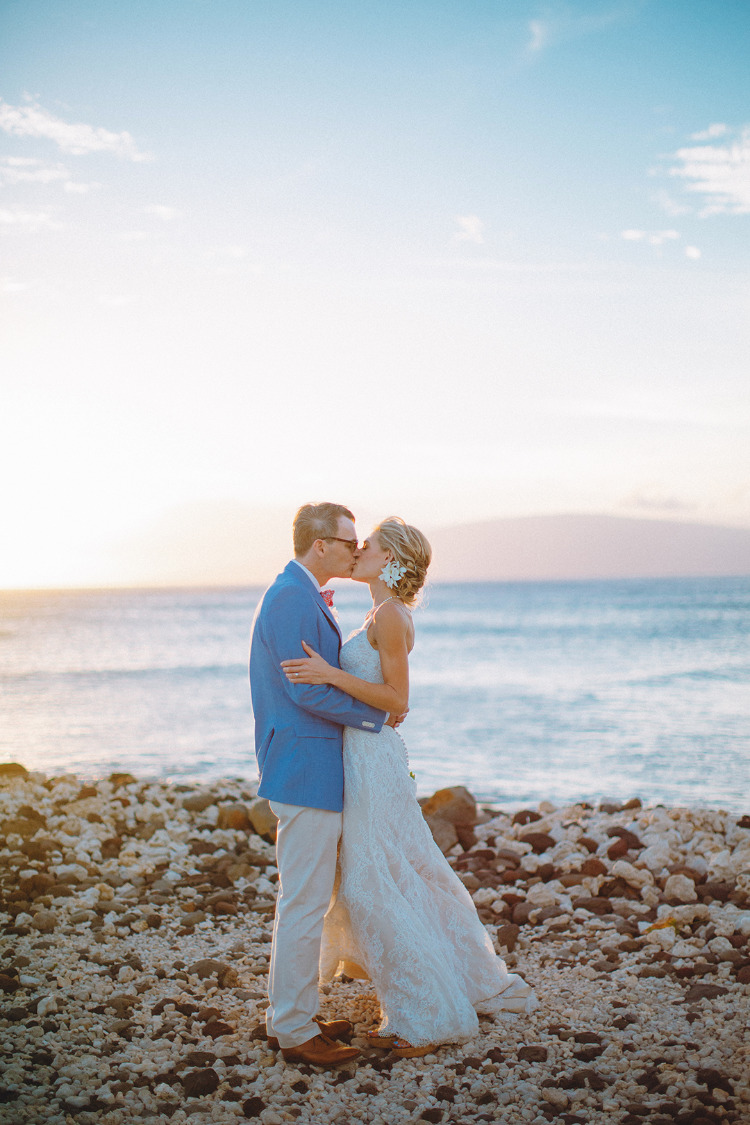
(399, 910)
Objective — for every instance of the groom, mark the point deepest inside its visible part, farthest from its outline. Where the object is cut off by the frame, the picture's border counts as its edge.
(298, 743)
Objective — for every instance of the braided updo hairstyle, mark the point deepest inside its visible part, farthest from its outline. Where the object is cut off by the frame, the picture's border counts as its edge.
(409, 548)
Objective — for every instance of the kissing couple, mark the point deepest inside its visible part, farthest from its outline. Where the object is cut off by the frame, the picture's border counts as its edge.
(363, 887)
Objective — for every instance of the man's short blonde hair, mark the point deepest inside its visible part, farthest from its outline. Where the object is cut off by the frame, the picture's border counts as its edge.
(317, 521)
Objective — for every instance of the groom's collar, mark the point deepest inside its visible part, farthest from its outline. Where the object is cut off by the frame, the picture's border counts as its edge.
(309, 574)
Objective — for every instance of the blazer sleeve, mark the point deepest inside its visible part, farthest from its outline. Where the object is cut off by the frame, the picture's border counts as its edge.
(295, 618)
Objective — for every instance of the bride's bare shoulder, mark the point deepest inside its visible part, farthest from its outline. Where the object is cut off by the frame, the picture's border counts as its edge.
(391, 622)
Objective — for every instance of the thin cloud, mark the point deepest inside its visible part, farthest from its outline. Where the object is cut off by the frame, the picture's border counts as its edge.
(564, 25)
(692, 252)
(470, 229)
(15, 171)
(76, 138)
(669, 205)
(720, 172)
(711, 133)
(653, 237)
(540, 32)
(76, 187)
(29, 220)
(159, 212)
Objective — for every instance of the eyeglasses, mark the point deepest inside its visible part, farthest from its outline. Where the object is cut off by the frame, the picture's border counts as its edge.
(352, 544)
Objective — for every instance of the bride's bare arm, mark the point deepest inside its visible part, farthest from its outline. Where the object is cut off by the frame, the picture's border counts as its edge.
(391, 629)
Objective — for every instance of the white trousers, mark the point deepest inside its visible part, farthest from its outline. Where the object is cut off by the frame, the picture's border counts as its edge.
(306, 844)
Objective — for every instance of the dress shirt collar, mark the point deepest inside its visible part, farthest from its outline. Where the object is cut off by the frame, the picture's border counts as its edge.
(309, 574)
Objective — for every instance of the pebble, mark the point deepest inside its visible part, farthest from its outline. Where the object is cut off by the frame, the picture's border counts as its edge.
(135, 927)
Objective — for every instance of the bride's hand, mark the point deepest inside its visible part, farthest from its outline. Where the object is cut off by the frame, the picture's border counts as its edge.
(313, 670)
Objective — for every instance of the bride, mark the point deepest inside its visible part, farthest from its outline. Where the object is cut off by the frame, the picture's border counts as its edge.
(399, 913)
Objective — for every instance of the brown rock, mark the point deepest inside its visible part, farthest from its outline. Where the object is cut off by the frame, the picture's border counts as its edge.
(262, 819)
(9, 984)
(122, 1003)
(593, 866)
(12, 770)
(44, 921)
(39, 847)
(253, 1107)
(443, 833)
(743, 974)
(533, 1053)
(507, 936)
(216, 1028)
(467, 837)
(618, 849)
(39, 884)
(198, 802)
(704, 992)
(199, 1082)
(223, 909)
(525, 816)
(445, 1093)
(572, 878)
(233, 816)
(201, 1058)
(117, 780)
(21, 826)
(539, 841)
(207, 968)
(630, 838)
(456, 805)
(716, 890)
(587, 843)
(595, 905)
(521, 912)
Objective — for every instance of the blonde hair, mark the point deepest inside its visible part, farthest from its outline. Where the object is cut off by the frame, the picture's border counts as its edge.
(410, 549)
(317, 521)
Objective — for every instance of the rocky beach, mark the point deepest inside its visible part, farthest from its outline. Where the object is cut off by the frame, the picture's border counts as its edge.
(135, 928)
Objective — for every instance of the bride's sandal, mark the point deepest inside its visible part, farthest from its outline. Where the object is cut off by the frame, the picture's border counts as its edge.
(375, 1039)
(404, 1050)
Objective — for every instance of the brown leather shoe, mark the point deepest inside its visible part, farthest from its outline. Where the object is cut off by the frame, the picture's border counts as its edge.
(319, 1051)
(332, 1029)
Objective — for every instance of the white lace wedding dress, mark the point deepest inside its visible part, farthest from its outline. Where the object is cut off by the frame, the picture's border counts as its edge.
(399, 911)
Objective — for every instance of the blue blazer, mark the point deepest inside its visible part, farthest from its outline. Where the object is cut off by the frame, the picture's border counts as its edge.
(299, 727)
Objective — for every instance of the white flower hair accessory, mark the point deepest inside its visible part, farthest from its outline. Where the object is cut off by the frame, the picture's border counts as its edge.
(392, 573)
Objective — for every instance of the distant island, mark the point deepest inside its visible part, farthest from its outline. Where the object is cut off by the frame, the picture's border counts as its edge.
(586, 546)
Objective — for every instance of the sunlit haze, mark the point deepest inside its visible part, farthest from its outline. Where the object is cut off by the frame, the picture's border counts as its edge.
(456, 261)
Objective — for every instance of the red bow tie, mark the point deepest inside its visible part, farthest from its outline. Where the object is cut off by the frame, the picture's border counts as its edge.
(327, 596)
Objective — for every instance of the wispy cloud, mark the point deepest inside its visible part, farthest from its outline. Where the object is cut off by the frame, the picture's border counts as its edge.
(29, 220)
(160, 212)
(76, 138)
(710, 134)
(692, 252)
(77, 187)
(28, 171)
(652, 237)
(669, 205)
(720, 172)
(560, 24)
(470, 229)
(540, 32)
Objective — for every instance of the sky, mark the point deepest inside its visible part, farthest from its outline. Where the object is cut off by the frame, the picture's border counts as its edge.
(452, 259)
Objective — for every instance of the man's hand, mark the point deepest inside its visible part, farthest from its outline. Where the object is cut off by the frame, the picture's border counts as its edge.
(396, 720)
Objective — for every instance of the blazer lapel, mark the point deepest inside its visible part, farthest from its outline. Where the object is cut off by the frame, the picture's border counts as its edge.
(294, 572)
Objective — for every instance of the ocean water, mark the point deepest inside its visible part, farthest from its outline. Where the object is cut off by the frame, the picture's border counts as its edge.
(521, 691)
